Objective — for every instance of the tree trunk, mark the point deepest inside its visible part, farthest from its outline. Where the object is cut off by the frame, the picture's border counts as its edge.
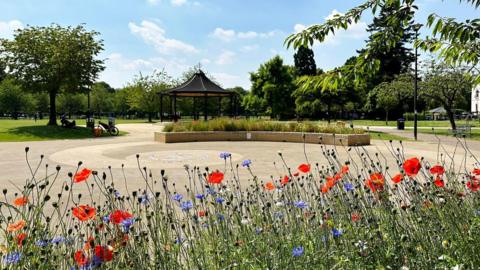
(53, 111)
(386, 118)
(149, 117)
(451, 118)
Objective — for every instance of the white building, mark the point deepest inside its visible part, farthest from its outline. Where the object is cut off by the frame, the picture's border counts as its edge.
(476, 100)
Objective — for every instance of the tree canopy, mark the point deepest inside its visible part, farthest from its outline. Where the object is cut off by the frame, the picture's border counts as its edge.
(53, 59)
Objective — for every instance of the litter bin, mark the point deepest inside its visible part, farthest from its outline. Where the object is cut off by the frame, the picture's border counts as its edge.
(90, 123)
(401, 124)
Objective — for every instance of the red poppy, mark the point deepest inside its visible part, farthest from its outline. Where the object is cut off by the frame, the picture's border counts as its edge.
(13, 227)
(355, 217)
(269, 186)
(473, 185)
(202, 213)
(82, 175)
(285, 180)
(476, 171)
(103, 253)
(89, 244)
(118, 216)
(296, 174)
(345, 169)
(20, 238)
(305, 168)
(84, 212)
(325, 189)
(80, 258)
(412, 166)
(338, 176)
(215, 177)
(376, 182)
(437, 169)
(439, 182)
(397, 178)
(20, 201)
(330, 182)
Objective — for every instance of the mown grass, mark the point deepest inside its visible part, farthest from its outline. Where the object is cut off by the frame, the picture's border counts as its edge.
(30, 130)
(225, 124)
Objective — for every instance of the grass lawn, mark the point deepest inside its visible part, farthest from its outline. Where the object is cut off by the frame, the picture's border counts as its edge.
(375, 135)
(442, 123)
(474, 135)
(29, 130)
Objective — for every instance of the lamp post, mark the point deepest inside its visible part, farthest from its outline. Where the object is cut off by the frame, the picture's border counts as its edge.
(416, 27)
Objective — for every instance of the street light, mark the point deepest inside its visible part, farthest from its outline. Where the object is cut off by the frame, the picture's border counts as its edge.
(417, 28)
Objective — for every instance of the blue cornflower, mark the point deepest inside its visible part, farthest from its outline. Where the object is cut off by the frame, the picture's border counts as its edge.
(278, 215)
(179, 240)
(205, 225)
(246, 163)
(127, 223)
(177, 197)
(12, 258)
(336, 233)
(220, 217)
(117, 194)
(225, 155)
(200, 196)
(297, 251)
(41, 243)
(186, 205)
(258, 230)
(106, 219)
(58, 240)
(219, 200)
(300, 204)
(145, 198)
(348, 187)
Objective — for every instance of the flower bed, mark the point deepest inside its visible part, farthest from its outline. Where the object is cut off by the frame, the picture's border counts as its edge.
(344, 214)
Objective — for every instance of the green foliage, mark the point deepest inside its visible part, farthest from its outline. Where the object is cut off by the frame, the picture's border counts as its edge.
(101, 97)
(143, 93)
(448, 86)
(225, 124)
(304, 59)
(71, 103)
(53, 59)
(457, 42)
(13, 99)
(273, 82)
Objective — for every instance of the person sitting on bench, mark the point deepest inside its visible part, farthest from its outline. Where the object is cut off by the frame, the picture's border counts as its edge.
(66, 123)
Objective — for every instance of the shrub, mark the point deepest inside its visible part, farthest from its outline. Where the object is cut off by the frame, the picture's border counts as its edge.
(225, 124)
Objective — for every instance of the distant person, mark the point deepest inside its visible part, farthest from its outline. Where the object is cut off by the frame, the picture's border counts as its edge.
(35, 116)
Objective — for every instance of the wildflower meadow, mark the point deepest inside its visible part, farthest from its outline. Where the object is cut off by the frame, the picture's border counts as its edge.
(322, 213)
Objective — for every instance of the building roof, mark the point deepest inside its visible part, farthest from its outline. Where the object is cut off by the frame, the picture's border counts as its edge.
(198, 85)
(438, 110)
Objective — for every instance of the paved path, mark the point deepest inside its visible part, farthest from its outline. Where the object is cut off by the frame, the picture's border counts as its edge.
(99, 153)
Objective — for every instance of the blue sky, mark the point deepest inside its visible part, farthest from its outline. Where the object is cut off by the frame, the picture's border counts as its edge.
(230, 38)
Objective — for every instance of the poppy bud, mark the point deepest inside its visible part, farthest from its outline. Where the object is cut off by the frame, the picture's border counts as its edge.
(27, 149)
(4, 191)
(138, 156)
(80, 163)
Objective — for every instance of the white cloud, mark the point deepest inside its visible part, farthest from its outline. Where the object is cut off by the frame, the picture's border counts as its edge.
(224, 35)
(225, 58)
(205, 61)
(8, 28)
(229, 34)
(154, 35)
(153, 2)
(355, 31)
(249, 48)
(120, 70)
(229, 80)
(178, 2)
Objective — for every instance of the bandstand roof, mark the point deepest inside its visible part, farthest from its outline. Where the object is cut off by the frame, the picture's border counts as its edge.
(199, 85)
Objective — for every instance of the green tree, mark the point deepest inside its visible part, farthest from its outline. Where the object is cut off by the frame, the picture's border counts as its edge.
(12, 98)
(71, 103)
(273, 82)
(449, 86)
(254, 105)
(304, 60)
(143, 92)
(457, 42)
(40, 103)
(53, 59)
(120, 102)
(101, 98)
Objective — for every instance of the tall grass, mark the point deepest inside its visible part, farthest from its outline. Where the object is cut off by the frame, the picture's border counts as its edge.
(223, 221)
(226, 124)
